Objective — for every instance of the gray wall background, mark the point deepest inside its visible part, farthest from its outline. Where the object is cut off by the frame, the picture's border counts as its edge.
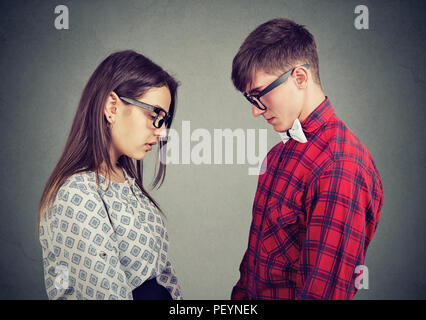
(375, 79)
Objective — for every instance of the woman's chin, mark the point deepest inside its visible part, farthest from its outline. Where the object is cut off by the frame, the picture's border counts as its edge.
(140, 155)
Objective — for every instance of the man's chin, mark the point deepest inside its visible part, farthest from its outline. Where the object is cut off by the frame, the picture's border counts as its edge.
(282, 126)
(279, 128)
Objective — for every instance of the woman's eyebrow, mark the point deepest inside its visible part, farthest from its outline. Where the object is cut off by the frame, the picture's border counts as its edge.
(156, 105)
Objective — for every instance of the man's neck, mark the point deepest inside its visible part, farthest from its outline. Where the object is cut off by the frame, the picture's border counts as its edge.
(313, 100)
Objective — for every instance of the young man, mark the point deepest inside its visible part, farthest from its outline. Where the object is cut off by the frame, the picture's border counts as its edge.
(318, 203)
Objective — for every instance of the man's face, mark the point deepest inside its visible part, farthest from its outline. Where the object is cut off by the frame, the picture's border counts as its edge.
(283, 104)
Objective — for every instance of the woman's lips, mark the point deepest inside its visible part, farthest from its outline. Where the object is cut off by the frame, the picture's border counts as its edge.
(271, 119)
(149, 145)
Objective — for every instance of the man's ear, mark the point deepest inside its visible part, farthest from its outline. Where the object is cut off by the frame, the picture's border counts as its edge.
(110, 107)
(300, 77)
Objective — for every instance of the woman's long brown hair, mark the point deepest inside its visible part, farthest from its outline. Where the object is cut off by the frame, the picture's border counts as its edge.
(128, 74)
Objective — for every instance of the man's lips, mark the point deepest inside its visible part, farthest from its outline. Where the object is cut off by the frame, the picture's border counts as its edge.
(270, 119)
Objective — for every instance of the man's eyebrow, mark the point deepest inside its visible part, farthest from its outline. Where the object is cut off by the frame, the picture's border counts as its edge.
(255, 90)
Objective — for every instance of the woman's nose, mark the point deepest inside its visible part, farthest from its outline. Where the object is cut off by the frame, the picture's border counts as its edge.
(160, 132)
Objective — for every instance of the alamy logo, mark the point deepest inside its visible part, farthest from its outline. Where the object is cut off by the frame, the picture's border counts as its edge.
(218, 148)
(62, 20)
(361, 281)
(361, 21)
(62, 278)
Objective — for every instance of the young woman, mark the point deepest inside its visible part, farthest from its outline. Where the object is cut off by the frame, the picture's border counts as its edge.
(102, 235)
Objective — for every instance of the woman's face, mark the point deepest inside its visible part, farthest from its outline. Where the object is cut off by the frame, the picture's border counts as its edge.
(133, 132)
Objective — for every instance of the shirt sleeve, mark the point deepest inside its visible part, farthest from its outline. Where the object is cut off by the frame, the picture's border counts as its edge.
(239, 291)
(168, 279)
(80, 257)
(344, 205)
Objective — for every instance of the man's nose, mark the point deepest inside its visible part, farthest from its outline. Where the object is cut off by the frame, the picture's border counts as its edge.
(256, 111)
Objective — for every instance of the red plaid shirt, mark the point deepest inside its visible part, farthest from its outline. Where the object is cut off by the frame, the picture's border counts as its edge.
(314, 214)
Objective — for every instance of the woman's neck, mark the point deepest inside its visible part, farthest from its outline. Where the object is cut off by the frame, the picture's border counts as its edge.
(116, 175)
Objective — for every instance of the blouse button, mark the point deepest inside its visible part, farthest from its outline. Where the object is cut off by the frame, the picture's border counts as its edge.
(102, 255)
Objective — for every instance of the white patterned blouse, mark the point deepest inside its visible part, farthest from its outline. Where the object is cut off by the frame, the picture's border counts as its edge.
(101, 244)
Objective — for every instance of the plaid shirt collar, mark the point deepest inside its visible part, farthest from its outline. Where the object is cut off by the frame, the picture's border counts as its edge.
(318, 117)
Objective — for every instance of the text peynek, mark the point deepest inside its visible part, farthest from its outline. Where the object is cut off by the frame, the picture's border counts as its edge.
(218, 309)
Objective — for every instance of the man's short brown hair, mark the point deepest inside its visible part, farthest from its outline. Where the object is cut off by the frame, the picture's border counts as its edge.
(276, 45)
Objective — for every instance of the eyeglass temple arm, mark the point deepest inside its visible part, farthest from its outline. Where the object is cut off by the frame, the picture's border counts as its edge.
(141, 104)
(280, 80)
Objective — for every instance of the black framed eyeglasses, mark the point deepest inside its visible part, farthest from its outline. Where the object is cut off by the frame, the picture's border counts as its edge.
(162, 117)
(254, 99)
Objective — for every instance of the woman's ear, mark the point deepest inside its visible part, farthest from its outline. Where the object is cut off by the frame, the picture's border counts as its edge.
(110, 107)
